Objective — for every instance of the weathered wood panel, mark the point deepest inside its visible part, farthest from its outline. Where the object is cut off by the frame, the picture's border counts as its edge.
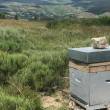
(90, 68)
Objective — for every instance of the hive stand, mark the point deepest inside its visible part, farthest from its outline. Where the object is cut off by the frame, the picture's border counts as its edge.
(77, 105)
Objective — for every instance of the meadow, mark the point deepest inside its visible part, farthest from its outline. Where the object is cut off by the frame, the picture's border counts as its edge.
(34, 58)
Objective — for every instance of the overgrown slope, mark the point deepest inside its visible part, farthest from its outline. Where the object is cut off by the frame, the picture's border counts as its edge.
(34, 58)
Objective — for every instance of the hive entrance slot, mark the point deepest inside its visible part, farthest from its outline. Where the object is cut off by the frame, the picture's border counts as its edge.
(108, 81)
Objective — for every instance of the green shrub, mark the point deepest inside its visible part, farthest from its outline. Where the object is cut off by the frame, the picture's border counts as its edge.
(44, 71)
(10, 64)
(60, 24)
(104, 21)
(3, 15)
(13, 40)
(25, 102)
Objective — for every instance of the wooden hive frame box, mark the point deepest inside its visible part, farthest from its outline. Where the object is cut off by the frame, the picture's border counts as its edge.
(90, 68)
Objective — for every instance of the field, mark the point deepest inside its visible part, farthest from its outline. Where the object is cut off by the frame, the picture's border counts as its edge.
(34, 60)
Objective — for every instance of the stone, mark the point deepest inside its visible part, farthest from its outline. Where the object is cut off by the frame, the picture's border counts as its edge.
(99, 43)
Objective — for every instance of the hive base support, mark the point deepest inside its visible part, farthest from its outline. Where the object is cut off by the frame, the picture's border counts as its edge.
(87, 107)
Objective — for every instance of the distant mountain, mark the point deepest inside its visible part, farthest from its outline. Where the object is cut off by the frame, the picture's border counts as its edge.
(94, 6)
(32, 9)
(39, 1)
(38, 9)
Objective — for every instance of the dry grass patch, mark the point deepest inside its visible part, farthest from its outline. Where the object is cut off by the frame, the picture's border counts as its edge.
(55, 102)
(21, 24)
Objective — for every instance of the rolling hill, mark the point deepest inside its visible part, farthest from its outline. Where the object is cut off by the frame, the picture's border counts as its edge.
(39, 9)
(49, 9)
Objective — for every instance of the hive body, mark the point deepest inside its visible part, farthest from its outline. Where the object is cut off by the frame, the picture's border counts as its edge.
(90, 88)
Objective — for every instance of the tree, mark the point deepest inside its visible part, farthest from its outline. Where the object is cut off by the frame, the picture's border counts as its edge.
(2, 15)
(16, 17)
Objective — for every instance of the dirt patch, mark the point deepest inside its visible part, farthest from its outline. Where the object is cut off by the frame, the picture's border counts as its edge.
(55, 101)
(50, 102)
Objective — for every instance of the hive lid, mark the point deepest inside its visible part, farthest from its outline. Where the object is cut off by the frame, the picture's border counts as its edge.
(89, 54)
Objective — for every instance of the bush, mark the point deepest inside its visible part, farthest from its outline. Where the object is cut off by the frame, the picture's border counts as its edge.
(3, 15)
(10, 64)
(104, 21)
(13, 40)
(60, 24)
(44, 71)
(11, 102)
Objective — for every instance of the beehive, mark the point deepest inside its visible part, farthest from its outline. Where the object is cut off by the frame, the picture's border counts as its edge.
(90, 75)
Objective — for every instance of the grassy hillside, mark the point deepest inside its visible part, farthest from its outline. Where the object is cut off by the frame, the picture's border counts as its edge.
(34, 59)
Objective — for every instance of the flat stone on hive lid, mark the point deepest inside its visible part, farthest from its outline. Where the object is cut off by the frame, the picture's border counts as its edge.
(99, 43)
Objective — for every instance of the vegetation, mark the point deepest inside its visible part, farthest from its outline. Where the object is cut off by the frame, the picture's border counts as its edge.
(34, 58)
(10, 102)
(101, 21)
(16, 17)
(3, 15)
